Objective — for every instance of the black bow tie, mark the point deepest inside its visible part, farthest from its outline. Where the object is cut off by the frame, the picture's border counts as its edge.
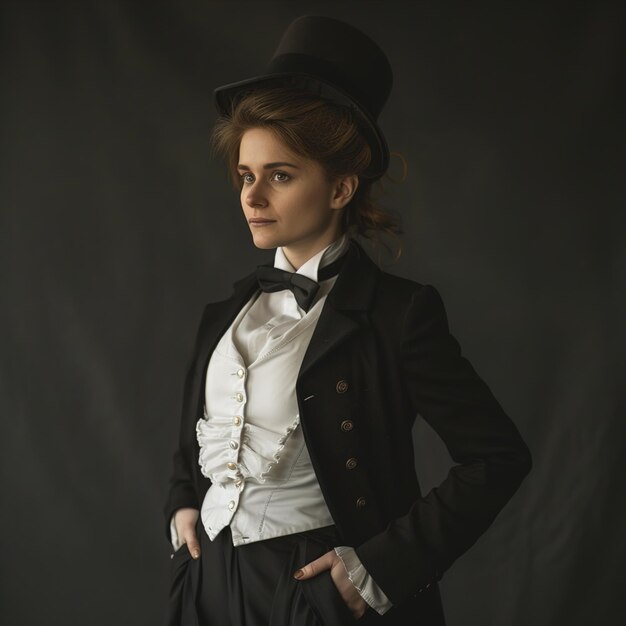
(304, 289)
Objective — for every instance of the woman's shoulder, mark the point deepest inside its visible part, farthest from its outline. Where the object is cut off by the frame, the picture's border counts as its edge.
(389, 283)
(394, 285)
(398, 295)
(399, 283)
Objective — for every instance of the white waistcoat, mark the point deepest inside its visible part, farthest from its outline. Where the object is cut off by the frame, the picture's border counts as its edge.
(251, 442)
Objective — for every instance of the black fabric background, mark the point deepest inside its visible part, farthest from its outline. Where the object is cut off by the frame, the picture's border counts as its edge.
(116, 227)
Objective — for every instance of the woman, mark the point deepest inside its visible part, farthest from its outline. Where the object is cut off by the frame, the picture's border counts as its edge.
(294, 498)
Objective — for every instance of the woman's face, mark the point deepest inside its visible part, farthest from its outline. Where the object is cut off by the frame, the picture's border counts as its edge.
(286, 199)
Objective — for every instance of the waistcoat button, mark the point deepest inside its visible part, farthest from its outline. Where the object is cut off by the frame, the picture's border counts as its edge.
(360, 503)
(237, 420)
(240, 373)
(233, 444)
(231, 505)
(351, 463)
(347, 425)
(239, 397)
(342, 386)
(231, 466)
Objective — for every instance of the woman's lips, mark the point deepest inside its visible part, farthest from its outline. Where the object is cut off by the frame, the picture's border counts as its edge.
(261, 222)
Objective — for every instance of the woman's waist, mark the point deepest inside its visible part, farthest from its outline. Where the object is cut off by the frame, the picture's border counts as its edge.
(261, 511)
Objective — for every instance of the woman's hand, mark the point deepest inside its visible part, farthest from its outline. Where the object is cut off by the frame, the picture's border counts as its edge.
(185, 522)
(338, 573)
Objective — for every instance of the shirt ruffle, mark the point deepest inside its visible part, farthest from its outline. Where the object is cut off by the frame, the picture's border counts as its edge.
(258, 452)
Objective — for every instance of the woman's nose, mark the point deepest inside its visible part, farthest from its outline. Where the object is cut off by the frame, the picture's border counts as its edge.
(255, 196)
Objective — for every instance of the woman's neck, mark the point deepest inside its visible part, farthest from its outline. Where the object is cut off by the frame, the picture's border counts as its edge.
(298, 257)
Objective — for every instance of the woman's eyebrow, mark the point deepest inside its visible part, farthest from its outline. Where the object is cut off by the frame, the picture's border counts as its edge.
(268, 166)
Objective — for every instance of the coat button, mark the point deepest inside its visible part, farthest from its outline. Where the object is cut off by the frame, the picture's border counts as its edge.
(347, 426)
(233, 444)
(240, 373)
(360, 503)
(351, 463)
(237, 420)
(239, 397)
(342, 386)
(231, 505)
(231, 466)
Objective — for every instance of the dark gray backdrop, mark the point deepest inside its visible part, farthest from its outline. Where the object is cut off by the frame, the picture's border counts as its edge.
(116, 228)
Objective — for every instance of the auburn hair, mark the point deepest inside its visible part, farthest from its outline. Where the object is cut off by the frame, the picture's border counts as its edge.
(314, 128)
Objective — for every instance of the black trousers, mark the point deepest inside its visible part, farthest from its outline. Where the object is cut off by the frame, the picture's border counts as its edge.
(253, 585)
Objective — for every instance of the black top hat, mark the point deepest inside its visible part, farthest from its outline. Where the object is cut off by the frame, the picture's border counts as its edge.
(334, 60)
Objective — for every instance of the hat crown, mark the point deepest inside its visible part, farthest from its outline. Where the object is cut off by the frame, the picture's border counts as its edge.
(339, 53)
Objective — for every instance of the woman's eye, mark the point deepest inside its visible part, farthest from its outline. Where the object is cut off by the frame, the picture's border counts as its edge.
(280, 177)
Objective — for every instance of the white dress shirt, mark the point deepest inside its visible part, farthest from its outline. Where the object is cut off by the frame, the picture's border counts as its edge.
(251, 442)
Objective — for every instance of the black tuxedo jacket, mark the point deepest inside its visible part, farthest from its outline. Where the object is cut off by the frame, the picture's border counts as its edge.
(381, 353)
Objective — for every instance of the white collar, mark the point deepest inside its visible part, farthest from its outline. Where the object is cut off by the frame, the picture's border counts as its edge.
(311, 266)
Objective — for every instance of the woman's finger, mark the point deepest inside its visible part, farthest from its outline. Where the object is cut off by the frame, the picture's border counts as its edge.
(340, 578)
(192, 543)
(185, 521)
(313, 568)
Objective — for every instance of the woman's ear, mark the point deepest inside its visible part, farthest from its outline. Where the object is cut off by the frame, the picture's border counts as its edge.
(344, 190)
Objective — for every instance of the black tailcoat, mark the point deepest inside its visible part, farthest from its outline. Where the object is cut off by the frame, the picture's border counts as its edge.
(381, 353)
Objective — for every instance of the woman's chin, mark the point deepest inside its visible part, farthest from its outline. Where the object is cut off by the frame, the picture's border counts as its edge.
(264, 243)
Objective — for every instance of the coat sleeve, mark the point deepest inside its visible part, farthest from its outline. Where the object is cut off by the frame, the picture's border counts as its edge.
(492, 459)
(182, 491)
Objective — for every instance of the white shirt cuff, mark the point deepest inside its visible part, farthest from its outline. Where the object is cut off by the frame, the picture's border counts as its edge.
(174, 535)
(362, 581)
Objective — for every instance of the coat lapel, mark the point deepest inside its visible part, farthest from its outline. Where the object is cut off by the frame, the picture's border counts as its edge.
(352, 293)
